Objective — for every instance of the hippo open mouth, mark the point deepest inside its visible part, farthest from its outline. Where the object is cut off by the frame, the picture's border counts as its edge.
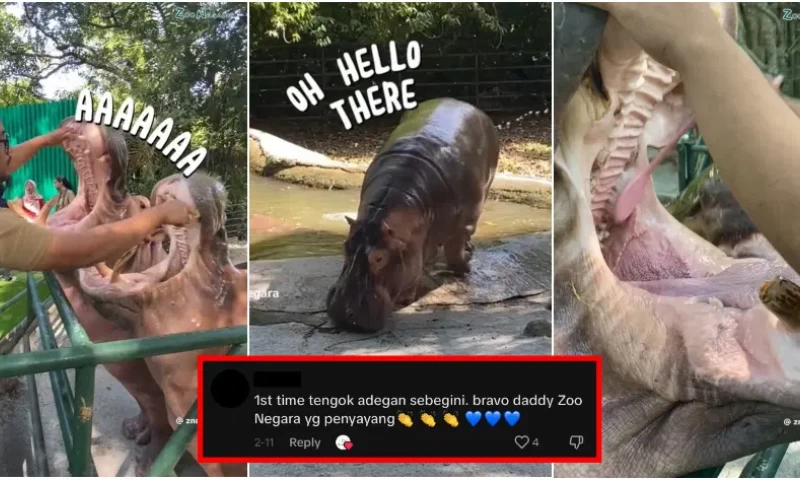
(193, 288)
(100, 158)
(697, 371)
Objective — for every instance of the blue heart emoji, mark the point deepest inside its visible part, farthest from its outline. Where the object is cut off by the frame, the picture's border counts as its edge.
(473, 418)
(492, 418)
(511, 417)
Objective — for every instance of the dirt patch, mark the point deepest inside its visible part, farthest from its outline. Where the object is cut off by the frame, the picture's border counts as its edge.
(525, 144)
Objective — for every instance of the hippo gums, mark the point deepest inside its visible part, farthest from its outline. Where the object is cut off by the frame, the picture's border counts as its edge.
(149, 291)
(424, 189)
(697, 371)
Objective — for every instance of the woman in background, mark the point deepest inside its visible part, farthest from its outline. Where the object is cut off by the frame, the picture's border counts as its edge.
(32, 202)
(65, 193)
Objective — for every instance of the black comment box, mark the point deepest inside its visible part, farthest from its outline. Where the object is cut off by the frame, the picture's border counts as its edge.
(422, 409)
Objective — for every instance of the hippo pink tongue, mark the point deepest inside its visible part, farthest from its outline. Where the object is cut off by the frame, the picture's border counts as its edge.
(634, 191)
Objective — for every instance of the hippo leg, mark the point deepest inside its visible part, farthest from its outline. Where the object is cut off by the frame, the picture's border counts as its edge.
(458, 253)
(134, 375)
(137, 428)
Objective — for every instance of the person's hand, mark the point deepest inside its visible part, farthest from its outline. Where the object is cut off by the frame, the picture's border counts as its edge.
(175, 212)
(666, 31)
(56, 137)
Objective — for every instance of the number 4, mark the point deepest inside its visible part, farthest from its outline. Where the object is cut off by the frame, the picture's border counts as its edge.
(535, 442)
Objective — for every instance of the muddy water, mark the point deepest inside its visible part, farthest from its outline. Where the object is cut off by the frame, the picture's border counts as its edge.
(289, 220)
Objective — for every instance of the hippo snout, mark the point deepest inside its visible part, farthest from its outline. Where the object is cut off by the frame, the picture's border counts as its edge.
(365, 311)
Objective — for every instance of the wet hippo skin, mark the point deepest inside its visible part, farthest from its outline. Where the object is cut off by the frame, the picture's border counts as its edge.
(425, 189)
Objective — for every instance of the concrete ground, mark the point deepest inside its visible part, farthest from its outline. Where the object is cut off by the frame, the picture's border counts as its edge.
(402, 470)
(488, 312)
(485, 313)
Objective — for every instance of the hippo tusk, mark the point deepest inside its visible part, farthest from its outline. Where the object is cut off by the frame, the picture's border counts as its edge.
(122, 262)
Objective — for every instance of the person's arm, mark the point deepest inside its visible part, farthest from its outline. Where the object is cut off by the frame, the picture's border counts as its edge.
(753, 136)
(87, 248)
(23, 152)
(794, 104)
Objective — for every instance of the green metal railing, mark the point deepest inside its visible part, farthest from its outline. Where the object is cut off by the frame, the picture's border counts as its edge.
(693, 158)
(74, 407)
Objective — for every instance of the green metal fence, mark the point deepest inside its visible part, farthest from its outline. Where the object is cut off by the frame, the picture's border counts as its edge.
(693, 158)
(25, 122)
(75, 406)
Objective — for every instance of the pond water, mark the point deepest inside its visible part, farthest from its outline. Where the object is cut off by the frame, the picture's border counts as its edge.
(288, 220)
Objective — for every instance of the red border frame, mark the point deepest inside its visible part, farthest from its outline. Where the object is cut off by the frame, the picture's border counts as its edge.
(398, 358)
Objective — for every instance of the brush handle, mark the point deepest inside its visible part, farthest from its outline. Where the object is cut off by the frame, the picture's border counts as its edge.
(671, 144)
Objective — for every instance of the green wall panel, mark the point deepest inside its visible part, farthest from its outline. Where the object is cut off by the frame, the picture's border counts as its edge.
(24, 122)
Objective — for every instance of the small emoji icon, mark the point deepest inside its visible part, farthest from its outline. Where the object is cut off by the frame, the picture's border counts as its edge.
(451, 420)
(428, 420)
(405, 420)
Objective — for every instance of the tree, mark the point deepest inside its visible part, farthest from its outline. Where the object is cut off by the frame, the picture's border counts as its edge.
(188, 61)
(469, 24)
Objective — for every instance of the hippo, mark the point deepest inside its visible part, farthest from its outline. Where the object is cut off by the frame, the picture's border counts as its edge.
(697, 371)
(195, 281)
(425, 188)
(134, 295)
(718, 217)
(100, 157)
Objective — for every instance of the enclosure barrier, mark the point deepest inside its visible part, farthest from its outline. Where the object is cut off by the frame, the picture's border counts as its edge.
(74, 407)
(693, 158)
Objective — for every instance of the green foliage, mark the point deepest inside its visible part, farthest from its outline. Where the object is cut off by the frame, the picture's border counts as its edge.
(18, 93)
(772, 42)
(16, 313)
(473, 23)
(188, 61)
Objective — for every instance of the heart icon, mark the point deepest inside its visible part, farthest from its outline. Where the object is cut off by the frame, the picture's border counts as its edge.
(473, 418)
(522, 441)
(348, 445)
(492, 418)
(511, 417)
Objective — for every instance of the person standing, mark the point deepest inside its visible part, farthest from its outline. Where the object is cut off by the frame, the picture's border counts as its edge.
(65, 193)
(32, 202)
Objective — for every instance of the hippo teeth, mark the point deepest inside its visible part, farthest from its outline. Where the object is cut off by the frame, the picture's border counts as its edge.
(638, 95)
(181, 245)
(77, 147)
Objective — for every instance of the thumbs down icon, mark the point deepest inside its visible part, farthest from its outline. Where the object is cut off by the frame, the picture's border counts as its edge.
(576, 441)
